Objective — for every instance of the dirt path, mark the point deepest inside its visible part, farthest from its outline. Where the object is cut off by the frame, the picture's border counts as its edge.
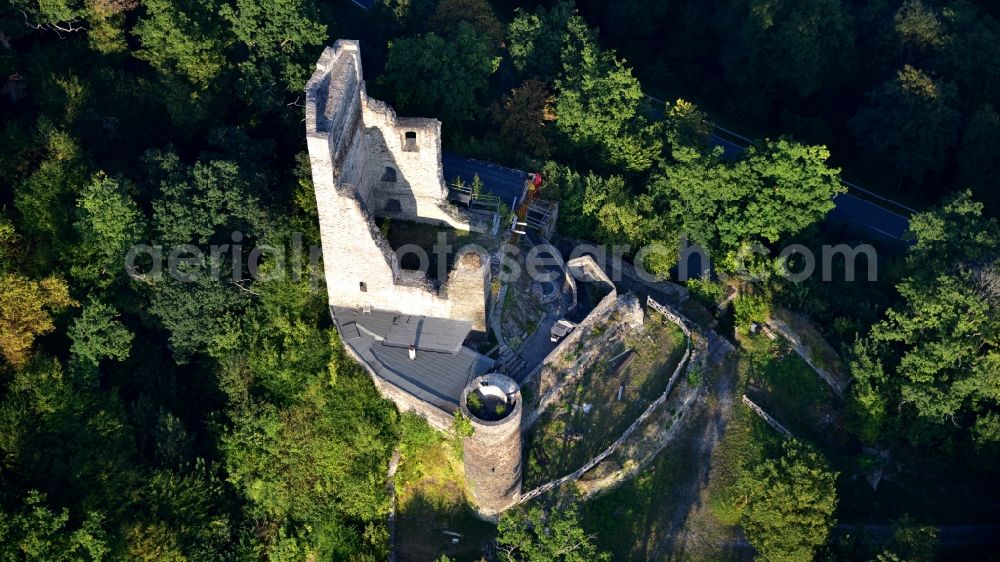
(695, 532)
(678, 523)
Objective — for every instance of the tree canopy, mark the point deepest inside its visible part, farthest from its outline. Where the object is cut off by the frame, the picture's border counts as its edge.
(935, 356)
(910, 122)
(211, 415)
(552, 535)
(434, 76)
(790, 503)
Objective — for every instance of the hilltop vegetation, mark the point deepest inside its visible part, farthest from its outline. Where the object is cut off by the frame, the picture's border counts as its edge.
(147, 418)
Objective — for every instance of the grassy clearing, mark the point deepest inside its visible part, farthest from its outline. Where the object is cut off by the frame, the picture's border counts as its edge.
(663, 512)
(747, 442)
(567, 435)
(786, 387)
(632, 520)
(431, 498)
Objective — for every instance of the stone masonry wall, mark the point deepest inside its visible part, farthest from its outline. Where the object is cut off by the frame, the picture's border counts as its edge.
(352, 141)
(492, 454)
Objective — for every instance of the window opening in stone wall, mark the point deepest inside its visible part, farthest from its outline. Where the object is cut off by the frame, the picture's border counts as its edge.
(390, 174)
(410, 142)
(393, 206)
(364, 287)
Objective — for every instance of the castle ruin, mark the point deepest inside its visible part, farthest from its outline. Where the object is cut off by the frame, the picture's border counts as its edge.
(493, 452)
(407, 331)
(369, 163)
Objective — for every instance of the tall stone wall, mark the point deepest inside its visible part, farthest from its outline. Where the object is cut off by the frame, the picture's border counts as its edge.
(493, 453)
(407, 154)
(367, 162)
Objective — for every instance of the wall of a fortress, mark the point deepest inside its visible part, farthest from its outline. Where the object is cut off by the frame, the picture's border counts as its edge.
(418, 187)
(352, 140)
(492, 454)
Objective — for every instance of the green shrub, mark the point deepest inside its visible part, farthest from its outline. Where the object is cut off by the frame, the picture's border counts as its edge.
(527, 395)
(416, 434)
(694, 376)
(706, 291)
(749, 309)
(474, 402)
(461, 429)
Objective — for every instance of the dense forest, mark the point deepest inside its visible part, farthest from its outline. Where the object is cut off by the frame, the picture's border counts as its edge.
(143, 417)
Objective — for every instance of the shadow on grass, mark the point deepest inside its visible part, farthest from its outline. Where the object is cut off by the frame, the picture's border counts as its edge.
(429, 527)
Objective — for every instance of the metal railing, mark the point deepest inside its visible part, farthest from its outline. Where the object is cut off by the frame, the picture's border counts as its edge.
(485, 201)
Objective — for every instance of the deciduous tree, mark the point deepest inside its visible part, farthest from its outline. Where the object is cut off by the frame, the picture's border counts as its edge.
(38, 533)
(970, 53)
(26, 310)
(209, 202)
(183, 41)
(44, 198)
(790, 503)
(535, 40)
(278, 36)
(524, 116)
(932, 362)
(597, 104)
(799, 45)
(777, 189)
(554, 535)
(98, 334)
(978, 158)
(477, 13)
(910, 123)
(433, 76)
(108, 223)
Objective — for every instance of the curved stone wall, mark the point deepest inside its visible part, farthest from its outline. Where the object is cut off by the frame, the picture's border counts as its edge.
(493, 452)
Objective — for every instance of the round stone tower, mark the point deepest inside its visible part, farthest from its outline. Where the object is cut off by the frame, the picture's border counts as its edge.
(492, 403)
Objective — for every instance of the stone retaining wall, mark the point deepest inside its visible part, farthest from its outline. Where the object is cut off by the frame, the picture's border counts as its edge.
(682, 367)
(778, 327)
(588, 270)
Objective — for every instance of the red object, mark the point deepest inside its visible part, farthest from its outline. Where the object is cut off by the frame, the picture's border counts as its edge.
(537, 180)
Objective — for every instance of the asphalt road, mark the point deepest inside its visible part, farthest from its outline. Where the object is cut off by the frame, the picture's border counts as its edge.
(878, 220)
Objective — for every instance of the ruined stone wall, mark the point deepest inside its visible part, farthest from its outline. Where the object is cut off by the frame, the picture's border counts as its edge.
(492, 454)
(353, 144)
(583, 269)
(407, 153)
